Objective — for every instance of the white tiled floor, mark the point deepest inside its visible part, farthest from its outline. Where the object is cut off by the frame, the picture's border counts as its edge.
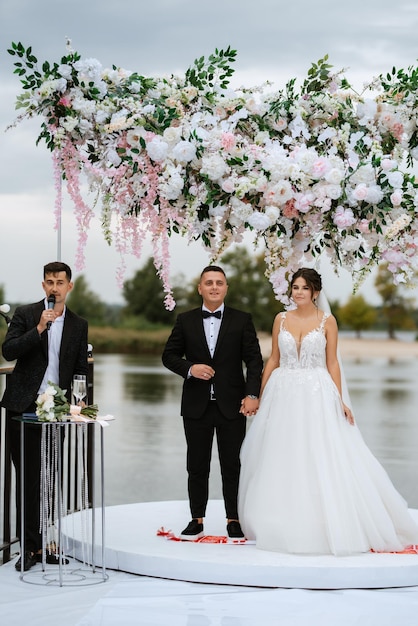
(129, 599)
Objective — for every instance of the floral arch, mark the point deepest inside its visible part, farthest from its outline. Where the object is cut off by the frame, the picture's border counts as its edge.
(309, 170)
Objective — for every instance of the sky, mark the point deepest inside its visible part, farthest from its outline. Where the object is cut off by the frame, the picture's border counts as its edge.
(275, 41)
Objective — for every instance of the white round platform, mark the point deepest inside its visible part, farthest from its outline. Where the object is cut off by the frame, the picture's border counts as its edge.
(132, 545)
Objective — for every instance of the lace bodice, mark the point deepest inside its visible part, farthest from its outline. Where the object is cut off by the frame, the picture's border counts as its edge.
(310, 353)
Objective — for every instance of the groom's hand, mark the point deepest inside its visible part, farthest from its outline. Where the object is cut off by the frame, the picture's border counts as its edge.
(203, 371)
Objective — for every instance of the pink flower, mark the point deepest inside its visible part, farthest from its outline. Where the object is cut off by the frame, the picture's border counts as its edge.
(320, 167)
(289, 210)
(363, 226)
(396, 197)
(228, 141)
(65, 101)
(360, 192)
(228, 185)
(343, 218)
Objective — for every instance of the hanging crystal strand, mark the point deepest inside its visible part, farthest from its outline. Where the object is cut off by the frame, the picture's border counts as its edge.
(65, 510)
(55, 487)
(43, 499)
(80, 489)
(51, 481)
(49, 484)
(86, 497)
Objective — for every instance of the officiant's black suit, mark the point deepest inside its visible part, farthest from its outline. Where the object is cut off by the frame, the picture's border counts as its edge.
(237, 344)
(23, 343)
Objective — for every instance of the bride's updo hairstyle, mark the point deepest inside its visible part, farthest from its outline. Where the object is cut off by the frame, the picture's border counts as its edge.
(311, 276)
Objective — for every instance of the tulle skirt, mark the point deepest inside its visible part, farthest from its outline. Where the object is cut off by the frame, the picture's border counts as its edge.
(309, 484)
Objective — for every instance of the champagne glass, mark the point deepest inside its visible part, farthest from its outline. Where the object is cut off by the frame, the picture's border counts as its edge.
(79, 388)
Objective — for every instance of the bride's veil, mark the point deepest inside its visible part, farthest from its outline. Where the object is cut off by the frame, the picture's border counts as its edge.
(323, 305)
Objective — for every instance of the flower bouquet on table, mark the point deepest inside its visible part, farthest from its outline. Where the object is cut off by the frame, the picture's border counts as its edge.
(53, 406)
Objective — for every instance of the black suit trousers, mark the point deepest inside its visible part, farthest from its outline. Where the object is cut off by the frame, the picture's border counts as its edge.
(199, 433)
(32, 451)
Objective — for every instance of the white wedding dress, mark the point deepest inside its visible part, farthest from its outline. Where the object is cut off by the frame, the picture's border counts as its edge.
(309, 484)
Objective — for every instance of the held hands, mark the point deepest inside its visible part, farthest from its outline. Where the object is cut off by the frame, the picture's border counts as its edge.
(249, 406)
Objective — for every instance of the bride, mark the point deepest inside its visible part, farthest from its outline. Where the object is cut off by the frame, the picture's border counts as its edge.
(309, 484)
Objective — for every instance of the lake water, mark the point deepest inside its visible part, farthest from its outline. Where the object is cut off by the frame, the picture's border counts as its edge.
(145, 449)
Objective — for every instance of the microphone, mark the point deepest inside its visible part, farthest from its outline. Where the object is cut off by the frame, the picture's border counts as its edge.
(4, 309)
(51, 302)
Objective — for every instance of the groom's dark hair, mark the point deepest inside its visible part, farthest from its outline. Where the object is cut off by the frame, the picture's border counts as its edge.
(212, 268)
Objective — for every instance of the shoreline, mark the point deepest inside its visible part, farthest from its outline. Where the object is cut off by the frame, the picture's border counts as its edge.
(354, 348)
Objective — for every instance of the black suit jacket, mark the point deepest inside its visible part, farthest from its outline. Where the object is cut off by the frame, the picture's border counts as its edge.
(23, 344)
(237, 345)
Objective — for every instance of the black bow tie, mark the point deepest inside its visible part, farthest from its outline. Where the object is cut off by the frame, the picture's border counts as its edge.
(217, 314)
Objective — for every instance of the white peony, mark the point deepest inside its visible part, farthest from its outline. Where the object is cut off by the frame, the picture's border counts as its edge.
(259, 221)
(184, 152)
(214, 166)
(172, 134)
(395, 179)
(157, 149)
(173, 186)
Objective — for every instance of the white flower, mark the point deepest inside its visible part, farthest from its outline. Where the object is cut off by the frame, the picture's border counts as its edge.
(88, 69)
(351, 243)
(172, 134)
(157, 149)
(366, 111)
(259, 221)
(272, 213)
(69, 123)
(334, 176)
(278, 193)
(184, 152)
(134, 136)
(116, 76)
(364, 174)
(240, 212)
(65, 70)
(173, 186)
(328, 133)
(374, 194)
(214, 166)
(395, 179)
(113, 157)
(333, 191)
(217, 211)
(388, 164)
(228, 185)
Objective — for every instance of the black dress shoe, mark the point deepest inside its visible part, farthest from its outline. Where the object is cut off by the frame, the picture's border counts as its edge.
(29, 560)
(51, 559)
(193, 531)
(234, 530)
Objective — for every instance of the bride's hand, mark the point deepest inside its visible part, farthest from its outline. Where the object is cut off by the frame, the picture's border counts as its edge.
(348, 414)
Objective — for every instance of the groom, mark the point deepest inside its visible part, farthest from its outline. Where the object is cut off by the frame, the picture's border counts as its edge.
(208, 347)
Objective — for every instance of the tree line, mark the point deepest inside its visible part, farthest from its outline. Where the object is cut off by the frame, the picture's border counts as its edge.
(249, 290)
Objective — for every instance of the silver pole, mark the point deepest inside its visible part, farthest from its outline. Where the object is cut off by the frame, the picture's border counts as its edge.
(59, 233)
